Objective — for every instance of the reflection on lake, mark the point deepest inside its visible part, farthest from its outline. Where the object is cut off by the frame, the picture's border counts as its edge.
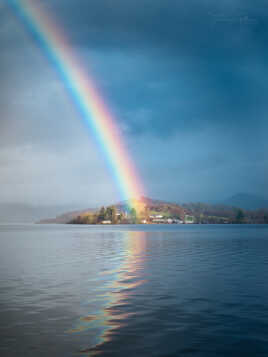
(122, 283)
(147, 291)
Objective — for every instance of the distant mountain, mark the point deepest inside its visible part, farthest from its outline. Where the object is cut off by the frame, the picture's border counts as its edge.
(23, 213)
(144, 202)
(67, 217)
(246, 201)
(149, 209)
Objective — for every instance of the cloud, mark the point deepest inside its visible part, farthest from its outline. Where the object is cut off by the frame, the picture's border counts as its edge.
(186, 82)
(74, 176)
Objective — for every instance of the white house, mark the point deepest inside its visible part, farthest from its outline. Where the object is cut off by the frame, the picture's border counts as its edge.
(188, 219)
(106, 222)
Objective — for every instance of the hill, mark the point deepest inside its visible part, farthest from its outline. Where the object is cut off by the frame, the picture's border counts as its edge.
(156, 211)
(26, 213)
(219, 213)
(246, 201)
(153, 206)
(67, 217)
(145, 206)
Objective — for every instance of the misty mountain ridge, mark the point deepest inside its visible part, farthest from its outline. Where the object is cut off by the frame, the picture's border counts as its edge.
(147, 209)
(246, 201)
(123, 206)
(25, 213)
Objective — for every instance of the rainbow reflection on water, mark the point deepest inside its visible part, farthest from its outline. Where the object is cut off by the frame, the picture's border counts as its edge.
(116, 294)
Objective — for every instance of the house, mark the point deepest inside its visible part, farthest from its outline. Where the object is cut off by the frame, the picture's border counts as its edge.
(159, 220)
(106, 222)
(156, 216)
(177, 221)
(188, 219)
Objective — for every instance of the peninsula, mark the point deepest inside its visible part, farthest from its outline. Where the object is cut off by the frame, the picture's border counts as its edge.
(150, 211)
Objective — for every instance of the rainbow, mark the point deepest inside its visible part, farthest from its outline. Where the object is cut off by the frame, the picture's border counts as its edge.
(84, 94)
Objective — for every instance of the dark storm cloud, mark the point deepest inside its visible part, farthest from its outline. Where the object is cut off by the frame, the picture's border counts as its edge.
(208, 31)
(204, 52)
(175, 24)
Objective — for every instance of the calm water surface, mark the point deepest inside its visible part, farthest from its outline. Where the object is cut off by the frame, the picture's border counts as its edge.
(133, 291)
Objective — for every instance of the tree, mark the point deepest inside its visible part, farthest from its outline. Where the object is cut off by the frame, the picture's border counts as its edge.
(240, 216)
(101, 215)
(133, 215)
(113, 215)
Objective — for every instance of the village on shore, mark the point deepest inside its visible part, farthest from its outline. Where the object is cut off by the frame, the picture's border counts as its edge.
(148, 211)
(110, 215)
(151, 211)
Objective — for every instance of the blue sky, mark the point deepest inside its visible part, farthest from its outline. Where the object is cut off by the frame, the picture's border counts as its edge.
(187, 82)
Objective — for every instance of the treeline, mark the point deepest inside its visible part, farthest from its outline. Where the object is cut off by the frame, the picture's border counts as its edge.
(106, 215)
(215, 214)
(202, 214)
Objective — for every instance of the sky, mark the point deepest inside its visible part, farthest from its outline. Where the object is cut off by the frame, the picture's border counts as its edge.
(186, 81)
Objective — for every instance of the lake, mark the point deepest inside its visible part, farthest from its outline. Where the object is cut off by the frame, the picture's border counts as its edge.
(156, 290)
